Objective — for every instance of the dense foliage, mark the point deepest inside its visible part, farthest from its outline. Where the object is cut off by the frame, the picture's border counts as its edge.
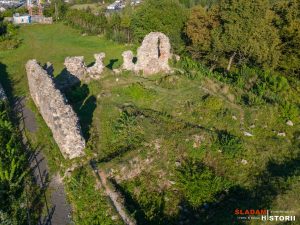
(8, 35)
(149, 17)
(87, 22)
(15, 194)
(238, 32)
(199, 184)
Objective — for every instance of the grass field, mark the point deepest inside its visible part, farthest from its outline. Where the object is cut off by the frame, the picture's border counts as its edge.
(181, 150)
(53, 43)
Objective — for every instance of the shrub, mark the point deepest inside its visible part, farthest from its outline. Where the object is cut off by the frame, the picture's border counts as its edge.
(230, 144)
(199, 183)
(289, 111)
(14, 174)
(128, 132)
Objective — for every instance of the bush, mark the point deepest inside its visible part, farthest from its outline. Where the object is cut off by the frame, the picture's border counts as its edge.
(193, 69)
(149, 18)
(199, 184)
(10, 43)
(14, 173)
(289, 111)
(230, 144)
(128, 132)
(86, 21)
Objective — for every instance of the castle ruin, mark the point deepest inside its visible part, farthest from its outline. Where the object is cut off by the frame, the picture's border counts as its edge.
(152, 56)
(58, 115)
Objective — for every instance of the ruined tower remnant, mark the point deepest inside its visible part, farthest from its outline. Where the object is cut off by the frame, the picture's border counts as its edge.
(128, 61)
(95, 70)
(58, 115)
(152, 55)
(76, 66)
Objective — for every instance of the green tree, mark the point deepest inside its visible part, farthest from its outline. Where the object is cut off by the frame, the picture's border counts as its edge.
(247, 32)
(191, 3)
(288, 23)
(126, 18)
(167, 16)
(13, 171)
(235, 31)
(199, 27)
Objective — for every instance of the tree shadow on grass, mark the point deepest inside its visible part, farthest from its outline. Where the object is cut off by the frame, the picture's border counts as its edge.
(83, 104)
(137, 211)
(269, 184)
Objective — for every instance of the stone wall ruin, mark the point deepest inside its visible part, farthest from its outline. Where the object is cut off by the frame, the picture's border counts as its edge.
(2, 93)
(95, 70)
(76, 67)
(152, 56)
(58, 115)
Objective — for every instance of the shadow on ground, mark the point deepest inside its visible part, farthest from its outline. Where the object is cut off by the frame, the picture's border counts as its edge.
(268, 186)
(111, 63)
(83, 104)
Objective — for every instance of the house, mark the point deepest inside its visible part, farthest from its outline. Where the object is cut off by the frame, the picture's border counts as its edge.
(21, 19)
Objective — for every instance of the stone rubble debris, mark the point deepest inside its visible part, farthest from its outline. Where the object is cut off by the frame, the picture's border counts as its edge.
(289, 123)
(247, 134)
(281, 134)
(244, 161)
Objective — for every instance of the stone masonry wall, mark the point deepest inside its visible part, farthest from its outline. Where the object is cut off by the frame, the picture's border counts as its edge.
(58, 115)
(2, 93)
(152, 56)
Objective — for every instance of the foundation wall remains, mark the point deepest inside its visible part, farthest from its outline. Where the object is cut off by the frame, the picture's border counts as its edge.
(58, 115)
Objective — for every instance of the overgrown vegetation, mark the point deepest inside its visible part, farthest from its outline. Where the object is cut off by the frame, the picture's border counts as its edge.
(18, 194)
(8, 35)
(220, 133)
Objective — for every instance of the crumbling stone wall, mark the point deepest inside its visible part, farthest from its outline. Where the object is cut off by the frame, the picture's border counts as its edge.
(128, 61)
(2, 93)
(95, 70)
(152, 55)
(58, 115)
(76, 66)
(77, 69)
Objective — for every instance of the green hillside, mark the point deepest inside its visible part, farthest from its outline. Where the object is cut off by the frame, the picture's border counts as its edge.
(184, 148)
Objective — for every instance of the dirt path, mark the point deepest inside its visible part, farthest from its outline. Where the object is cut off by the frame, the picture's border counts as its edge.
(60, 211)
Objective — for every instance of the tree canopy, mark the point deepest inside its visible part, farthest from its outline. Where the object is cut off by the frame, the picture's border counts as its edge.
(167, 16)
(235, 31)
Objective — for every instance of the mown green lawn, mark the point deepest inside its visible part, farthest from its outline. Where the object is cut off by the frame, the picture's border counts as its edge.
(52, 43)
